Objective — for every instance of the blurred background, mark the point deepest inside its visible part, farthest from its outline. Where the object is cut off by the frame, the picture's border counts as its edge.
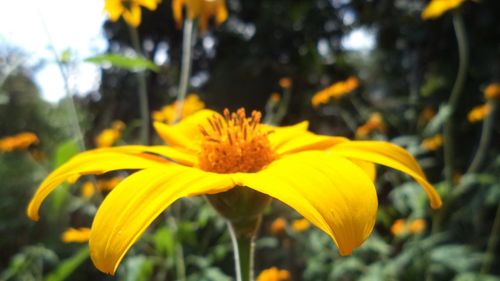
(361, 69)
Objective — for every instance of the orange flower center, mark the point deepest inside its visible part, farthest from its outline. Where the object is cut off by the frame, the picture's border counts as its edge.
(234, 144)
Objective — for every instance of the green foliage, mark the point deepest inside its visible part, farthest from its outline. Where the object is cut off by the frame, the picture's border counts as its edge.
(124, 62)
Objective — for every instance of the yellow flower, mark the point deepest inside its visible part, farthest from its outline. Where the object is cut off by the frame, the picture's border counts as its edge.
(274, 274)
(432, 143)
(129, 9)
(275, 98)
(398, 227)
(436, 8)
(78, 235)
(417, 226)
(324, 178)
(88, 188)
(278, 226)
(20, 141)
(285, 83)
(374, 123)
(336, 90)
(478, 113)
(492, 92)
(109, 136)
(300, 225)
(167, 114)
(202, 9)
(427, 114)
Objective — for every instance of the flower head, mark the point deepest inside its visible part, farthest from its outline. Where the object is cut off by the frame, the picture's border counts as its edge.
(167, 114)
(202, 9)
(432, 143)
(20, 141)
(336, 90)
(478, 113)
(402, 227)
(374, 123)
(326, 179)
(129, 9)
(285, 83)
(436, 8)
(274, 274)
(492, 92)
(278, 226)
(109, 136)
(300, 225)
(77, 235)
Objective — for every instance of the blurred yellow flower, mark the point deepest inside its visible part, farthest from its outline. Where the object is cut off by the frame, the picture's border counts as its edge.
(20, 141)
(432, 143)
(403, 227)
(324, 178)
(417, 226)
(478, 113)
(109, 136)
(76, 235)
(202, 9)
(492, 92)
(374, 123)
(436, 8)
(398, 227)
(274, 274)
(278, 226)
(285, 83)
(300, 225)
(129, 9)
(336, 90)
(275, 98)
(88, 188)
(167, 114)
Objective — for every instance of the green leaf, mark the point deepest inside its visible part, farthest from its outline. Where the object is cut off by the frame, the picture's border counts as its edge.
(65, 151)
(435, 125)
(124, 62)
(138, 268)
(69, 265)
(164, 241)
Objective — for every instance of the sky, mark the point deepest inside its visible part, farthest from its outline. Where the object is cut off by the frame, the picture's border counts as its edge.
(35, 25)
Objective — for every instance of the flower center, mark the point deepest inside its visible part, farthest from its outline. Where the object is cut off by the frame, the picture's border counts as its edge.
(234, 144)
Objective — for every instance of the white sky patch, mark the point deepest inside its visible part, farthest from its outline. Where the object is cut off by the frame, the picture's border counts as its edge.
(359, 39)
(72, 24)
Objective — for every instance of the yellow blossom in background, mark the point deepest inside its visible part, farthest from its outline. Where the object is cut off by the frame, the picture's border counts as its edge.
(130, 10)
(275, 98)
(432, 143)
(202, 9)
(398, 227)
(427, 114)
(88, 188)
(374, 123)
(167, 114)
(436, 8)
(417, 226)
(20, 141)
(278, 226)
(109, 136)
(478, 113)
(76, 235)
(492, 92)
(300, 225)
(274, 274)
(326, 179)
(285, 83)
(336, 90)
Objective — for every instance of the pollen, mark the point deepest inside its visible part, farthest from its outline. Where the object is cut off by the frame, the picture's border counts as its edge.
(234, 143)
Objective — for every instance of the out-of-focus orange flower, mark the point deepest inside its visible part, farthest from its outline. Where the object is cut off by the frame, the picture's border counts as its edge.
(202, 9)
(88, 188)
(167, 114)
(417, 226)
(76, 235)
(109, 136)
(427, 114)
(374, 123)
(300, 225)
(278, 226)
(129, 9)
(285, 83)
(336, 90)
(20, 141)
(478, 113)
(275, 98)
(492, 92)
(436, 8)
(432, 143)
(398, 227)
(274, 274)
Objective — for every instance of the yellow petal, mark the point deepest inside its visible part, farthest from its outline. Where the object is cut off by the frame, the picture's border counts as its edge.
(178, 155)
(436, 8)
(114, 8)
(331, 192)
(149, 4)
(308, 141)
(177, 11)
(78, 235)
(96, 161)
(131, 207)
(390, 155)
(186, 133)
(133, 15)
(369, 168)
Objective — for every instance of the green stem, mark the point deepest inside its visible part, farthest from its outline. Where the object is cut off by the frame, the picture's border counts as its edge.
(492, 244)
(143, 92)
(484, 141)
(187, 50)
(243, 237)
(283, 107)
(456, 92)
